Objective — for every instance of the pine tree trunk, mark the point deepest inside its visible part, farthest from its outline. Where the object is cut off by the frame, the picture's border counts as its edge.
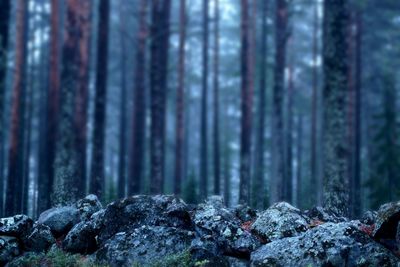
(289, 137)
(16, 149)
(299, 170)
(180, 105)
(204, 100)
(139, 106)
(277, 184)
(259, 185)
(66, 174)
(5, 7)
(123, 106)
(335, 86)
(216, 139)
(158, 89)
(97, 180)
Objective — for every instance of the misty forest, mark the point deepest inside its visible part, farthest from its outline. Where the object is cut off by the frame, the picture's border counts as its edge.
(199, 133)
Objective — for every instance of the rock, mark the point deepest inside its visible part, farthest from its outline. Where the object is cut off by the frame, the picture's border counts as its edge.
(60, 220)
(40, 239)
(369, 217)
(398, 234)
(225, 229)
(17, 226)
(235, 262)
(329, 244)
(387, 219)
(323, 215)
(9, 249)
(81, 239)
(245, 213)
(144, 245)
(88, 206)
(133, 212)
(279, 221)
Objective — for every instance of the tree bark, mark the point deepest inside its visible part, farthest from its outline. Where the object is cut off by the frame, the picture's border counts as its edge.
(158, 89)
(277, 185)
(289, 137)
(216, 135)
(180, 105)
(204, 101)
(299, 169)
(16, 149)
(97, 180)
(335, 86)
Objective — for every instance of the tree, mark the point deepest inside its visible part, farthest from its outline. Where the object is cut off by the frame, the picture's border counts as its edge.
(180, 135)
(277, 185)
(139, 107)
(246, 100)
(16, 149)
(216, 139)
(5, 8)
(289, 135)
(97, 182)
(204, 100)
(158, 89)
(334, 95)
(66, 173)
(258, 184)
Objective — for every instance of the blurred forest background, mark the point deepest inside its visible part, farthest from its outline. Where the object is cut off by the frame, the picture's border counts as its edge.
(255, 100)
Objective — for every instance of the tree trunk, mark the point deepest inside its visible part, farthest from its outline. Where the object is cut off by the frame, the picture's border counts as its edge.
(180, 135)
(158, 89)
(299, 169)
(66, 174)
(123, 106)
(5, 7)
(358, 107)
(16, 150)
(139, 106)
(97, 181)
(82, 94)
(289, 137)
(277, 185)
(258, 184)
(204, 112)
(216, 139)
(314, 119)
(335, 86)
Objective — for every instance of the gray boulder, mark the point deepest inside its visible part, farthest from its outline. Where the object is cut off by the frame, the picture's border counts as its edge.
(81, 239)
(88, 206)
(144, 246)
(60, 220)
(40, 239)
(9, 249)
(324, 215)
(279, 221)
(17, 226)
(329, 244)
(387, 219)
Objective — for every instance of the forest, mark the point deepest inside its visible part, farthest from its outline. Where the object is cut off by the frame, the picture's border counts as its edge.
(248, 103)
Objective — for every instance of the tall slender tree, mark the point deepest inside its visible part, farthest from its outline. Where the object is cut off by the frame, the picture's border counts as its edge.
(216, 137)
(97, 180)
(277, 185)
(299, 155)
(289, 134)
(258, 183)
(335, 86)
(204, 101)
(16, 149)
(180, 105)
(5, 7)
(66, 173)
(139, 107)
(159, 48)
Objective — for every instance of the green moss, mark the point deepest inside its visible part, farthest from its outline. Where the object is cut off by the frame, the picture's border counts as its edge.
(177, 260)
(55, 257)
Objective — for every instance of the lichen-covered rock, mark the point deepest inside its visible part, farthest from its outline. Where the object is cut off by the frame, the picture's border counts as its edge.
(387, 219)
(214, 220)
(144, 245)
(330, 244)
(133, 212)
(17, 226)
(39, 239)
(81, 239)
(9, 249)
(245, 213)
(369, 217)
(88, 206)
(60, 220)
(279, 221)
(324, 215)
